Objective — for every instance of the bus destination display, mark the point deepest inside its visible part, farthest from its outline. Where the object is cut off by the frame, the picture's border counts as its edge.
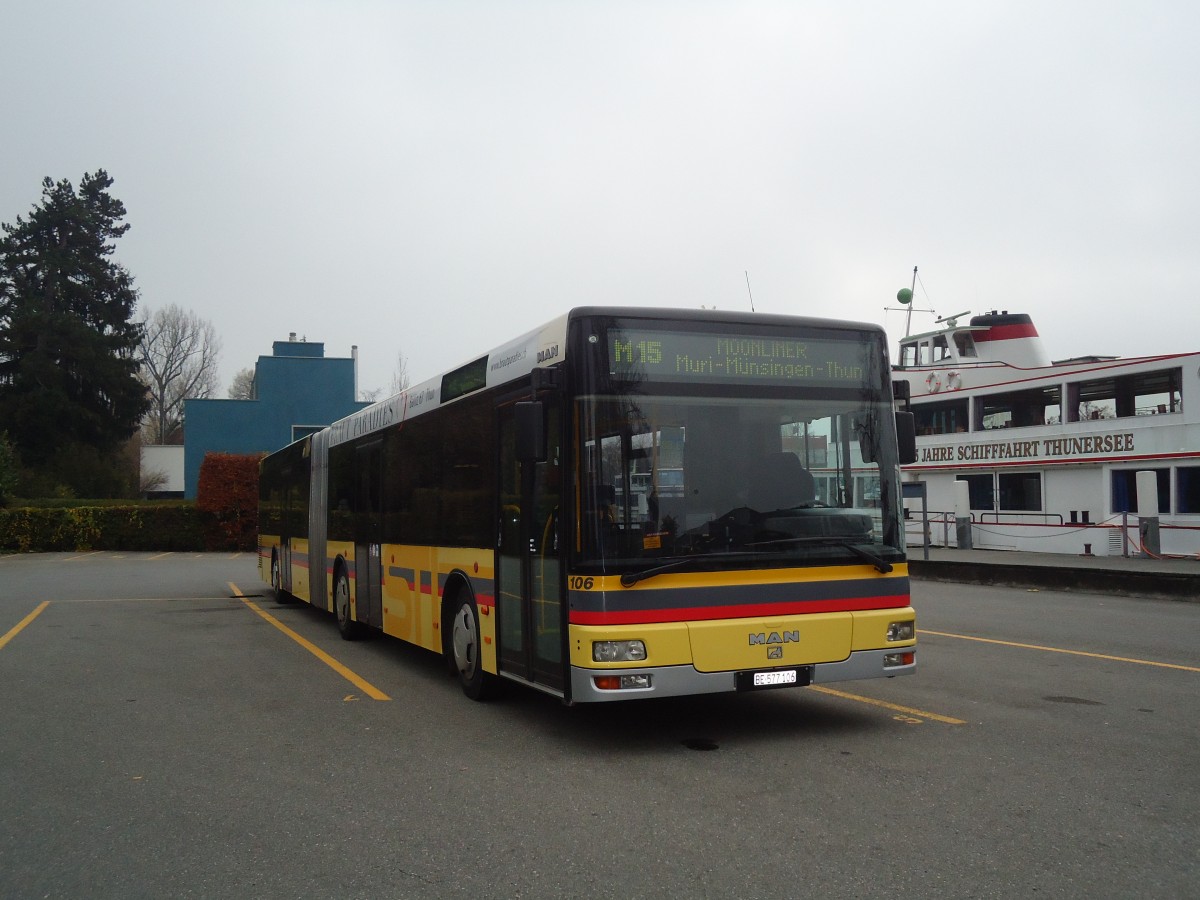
(737, 358)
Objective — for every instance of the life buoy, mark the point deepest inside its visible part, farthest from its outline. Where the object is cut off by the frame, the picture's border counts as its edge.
(933, 382)
(953, 381)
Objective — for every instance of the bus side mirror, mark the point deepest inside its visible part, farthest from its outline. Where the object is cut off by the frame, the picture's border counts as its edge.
(531, 431)
(906, 437)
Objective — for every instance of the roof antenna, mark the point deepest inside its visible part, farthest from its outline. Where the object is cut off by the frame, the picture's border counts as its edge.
(748, 289)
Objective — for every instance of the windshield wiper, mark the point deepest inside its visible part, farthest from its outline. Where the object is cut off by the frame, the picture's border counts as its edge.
(629, 579)
(878, 562)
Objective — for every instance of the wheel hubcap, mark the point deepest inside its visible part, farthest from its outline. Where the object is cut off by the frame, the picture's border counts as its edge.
(342, 600)
(466, 641)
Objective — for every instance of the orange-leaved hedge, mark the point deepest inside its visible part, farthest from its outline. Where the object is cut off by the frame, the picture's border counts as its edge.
(227, 493)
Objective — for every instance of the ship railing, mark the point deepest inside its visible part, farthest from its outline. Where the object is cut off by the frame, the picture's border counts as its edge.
(1117, 535)
(936, 521)
(941, 523)
(1025, 518)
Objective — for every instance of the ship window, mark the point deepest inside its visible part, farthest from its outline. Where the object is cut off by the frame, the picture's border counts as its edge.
(1020, 491)
(941, 350)
(1017, 409)
(827, 490)
(1015, 491)
(965, 344)
(1116, 397)
(946, 417)
(1187, 489)
(981, 491)
(908, 354)
(1124, 490)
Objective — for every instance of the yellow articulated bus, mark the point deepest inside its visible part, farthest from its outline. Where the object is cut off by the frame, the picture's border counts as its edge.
(625, 503)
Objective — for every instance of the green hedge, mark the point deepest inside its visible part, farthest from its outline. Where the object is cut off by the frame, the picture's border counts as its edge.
(131, 527)
(223, 517)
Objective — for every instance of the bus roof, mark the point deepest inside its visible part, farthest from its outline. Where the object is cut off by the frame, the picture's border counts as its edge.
(543, 346)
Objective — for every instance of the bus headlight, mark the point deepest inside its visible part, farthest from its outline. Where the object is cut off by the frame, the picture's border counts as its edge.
(618, 651)
(902, 631)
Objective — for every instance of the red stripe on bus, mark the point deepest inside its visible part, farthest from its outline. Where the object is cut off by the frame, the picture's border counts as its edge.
(710, 613)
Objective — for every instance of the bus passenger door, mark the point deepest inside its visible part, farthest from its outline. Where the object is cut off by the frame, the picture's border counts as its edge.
(286, 530)
(529, 553)
(368, 525)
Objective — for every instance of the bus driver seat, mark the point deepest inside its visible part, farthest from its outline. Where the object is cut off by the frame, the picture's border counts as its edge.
(778, 481)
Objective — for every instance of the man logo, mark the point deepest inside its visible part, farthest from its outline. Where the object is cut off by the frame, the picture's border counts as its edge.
(774, 653)
(788, 637)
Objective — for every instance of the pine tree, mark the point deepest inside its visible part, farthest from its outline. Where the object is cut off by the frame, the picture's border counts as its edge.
(68, 343)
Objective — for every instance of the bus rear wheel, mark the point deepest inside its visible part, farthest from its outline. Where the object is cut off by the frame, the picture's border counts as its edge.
(350, 630)
(281, 596)
(465, 646)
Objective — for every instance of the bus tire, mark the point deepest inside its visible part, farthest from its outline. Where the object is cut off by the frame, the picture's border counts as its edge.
(281, 596)
(465, 646)
(350, 630)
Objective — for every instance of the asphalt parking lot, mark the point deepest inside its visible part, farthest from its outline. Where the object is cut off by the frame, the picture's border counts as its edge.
(170, 730)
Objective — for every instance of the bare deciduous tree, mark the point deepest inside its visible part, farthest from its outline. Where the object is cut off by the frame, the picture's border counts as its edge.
(398, 383)
(400, 375)
(242, 386)
(178, 355)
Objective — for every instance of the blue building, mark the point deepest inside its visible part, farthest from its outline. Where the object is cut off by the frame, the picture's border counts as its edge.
(297, 391)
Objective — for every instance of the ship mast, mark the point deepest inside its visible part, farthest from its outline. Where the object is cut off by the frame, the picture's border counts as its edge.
(904, 297)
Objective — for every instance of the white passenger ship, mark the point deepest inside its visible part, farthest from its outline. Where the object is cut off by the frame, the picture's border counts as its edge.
(1050, 450)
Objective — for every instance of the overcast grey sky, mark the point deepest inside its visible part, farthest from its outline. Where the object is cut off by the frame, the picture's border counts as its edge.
(433, 178)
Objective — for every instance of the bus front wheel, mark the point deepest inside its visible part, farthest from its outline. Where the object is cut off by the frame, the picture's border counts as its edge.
(465, 652)
(349, 629)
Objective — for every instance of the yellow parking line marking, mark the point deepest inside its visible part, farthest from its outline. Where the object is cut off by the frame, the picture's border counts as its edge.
(16, 629)
(908, 710)
(363, 685)
(1140, 662)
(159, 556)
(142, 599)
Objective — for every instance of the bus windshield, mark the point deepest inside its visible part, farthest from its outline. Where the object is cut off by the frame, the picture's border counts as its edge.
(735, 481)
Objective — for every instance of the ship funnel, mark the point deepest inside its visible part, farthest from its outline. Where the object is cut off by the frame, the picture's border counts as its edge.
(1009, 338)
